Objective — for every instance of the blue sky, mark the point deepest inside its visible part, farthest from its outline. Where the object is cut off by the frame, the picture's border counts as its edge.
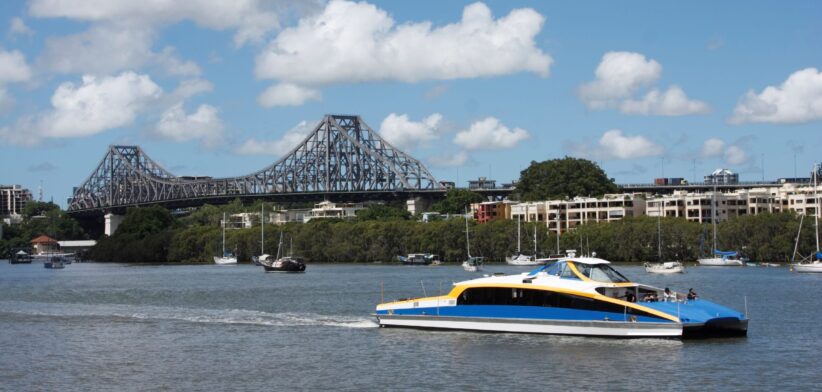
(471, 89)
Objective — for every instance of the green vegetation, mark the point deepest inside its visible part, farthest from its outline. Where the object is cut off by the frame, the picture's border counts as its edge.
(381, 233)
(40, 218)
(456, 201)
(563, 178)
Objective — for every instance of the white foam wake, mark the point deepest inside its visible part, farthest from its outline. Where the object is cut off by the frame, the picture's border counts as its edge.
(194, 315)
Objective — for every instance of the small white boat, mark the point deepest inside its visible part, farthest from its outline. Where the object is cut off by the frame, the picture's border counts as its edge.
(227, 258)
(815, 264)
(664, 267)
(725, 259)
(519, 258)
(55, 262)
(473, 264)
(668, 267)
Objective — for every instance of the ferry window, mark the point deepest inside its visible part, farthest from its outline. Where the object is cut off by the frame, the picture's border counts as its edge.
(553, 269)
(565, 272)
(601, 273)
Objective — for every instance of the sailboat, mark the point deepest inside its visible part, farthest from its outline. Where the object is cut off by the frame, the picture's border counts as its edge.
(720, 258)
(263, 256)
(663, 267)
(227, 257)
(471, 264)
(284, 263)
(519, 258)
(814, 265)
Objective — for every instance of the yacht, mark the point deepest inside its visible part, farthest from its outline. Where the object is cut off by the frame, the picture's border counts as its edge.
(720, 258)
(814, 264)
(575, 296)
(283, 264)
(418, 259)
(519, 258)
(472, 263)
(662, 267)
(227, 257)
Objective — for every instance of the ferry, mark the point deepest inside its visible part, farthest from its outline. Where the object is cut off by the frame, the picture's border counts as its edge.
(574, 296)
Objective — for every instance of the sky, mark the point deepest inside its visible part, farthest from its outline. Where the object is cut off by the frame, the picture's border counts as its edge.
(645, 88)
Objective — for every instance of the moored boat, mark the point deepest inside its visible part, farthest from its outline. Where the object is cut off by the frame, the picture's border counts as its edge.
(20, 257)
(418, 259)
(814, 263)
(519, 258)
(667, 267)
(55, 262)
(575, 296)
(282, 264)
(227, 257)
(723, 259)
(472, 264)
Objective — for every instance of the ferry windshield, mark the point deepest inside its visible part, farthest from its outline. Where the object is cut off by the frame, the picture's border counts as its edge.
(601, 273)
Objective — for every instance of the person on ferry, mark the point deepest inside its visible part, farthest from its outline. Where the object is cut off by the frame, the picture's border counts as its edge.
(668, 295)
(692, 294)
(650, 297)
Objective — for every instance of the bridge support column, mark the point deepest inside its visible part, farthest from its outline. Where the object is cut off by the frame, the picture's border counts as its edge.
(112, 223)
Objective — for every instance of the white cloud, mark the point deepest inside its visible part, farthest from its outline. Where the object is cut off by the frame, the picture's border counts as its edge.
(622, 75)
(357, 42)
(287, 94)
(404, 133)
(735, 155)
(712, 148)
(107, 48)
(797, 100)
(614, 145)
(449, 160)
(13, 67)
(191, 87)
(6, 100)
(732, 154)
(291, 139)
(251, 19)
(490, 134)
(96, 105)
(19, 27)
(204, 125)
(619, 75)
(436, 91)
(672, 102)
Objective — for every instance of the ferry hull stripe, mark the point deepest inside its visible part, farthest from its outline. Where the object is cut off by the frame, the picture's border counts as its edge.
(554, 327)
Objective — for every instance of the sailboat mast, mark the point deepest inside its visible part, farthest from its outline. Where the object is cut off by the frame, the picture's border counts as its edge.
(223, 255)
(713, 217)
(535, 242)
(262, 229)
(816, 206)
(519, 235)
(659, 231)
(467, 241)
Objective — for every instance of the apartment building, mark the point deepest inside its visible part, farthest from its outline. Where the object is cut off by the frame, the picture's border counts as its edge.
(491, 210)
(13, 199)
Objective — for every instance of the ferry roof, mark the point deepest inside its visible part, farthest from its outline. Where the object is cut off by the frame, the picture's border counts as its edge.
(586, 260)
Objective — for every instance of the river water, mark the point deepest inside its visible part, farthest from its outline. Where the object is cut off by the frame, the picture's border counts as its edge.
(104, 327)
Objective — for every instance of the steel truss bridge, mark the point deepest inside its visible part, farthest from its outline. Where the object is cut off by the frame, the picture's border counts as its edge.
(343, 159)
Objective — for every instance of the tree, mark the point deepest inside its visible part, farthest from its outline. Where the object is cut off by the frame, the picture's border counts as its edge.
(563, 178)
(382, 212)
(456, 201)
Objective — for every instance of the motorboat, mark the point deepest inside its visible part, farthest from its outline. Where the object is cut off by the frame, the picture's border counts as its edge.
(55, 262)
(722, 259)
(282, 264)
(575, 296)
(472, 264)
(227, 257)
(667, 267)
(418, 259)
